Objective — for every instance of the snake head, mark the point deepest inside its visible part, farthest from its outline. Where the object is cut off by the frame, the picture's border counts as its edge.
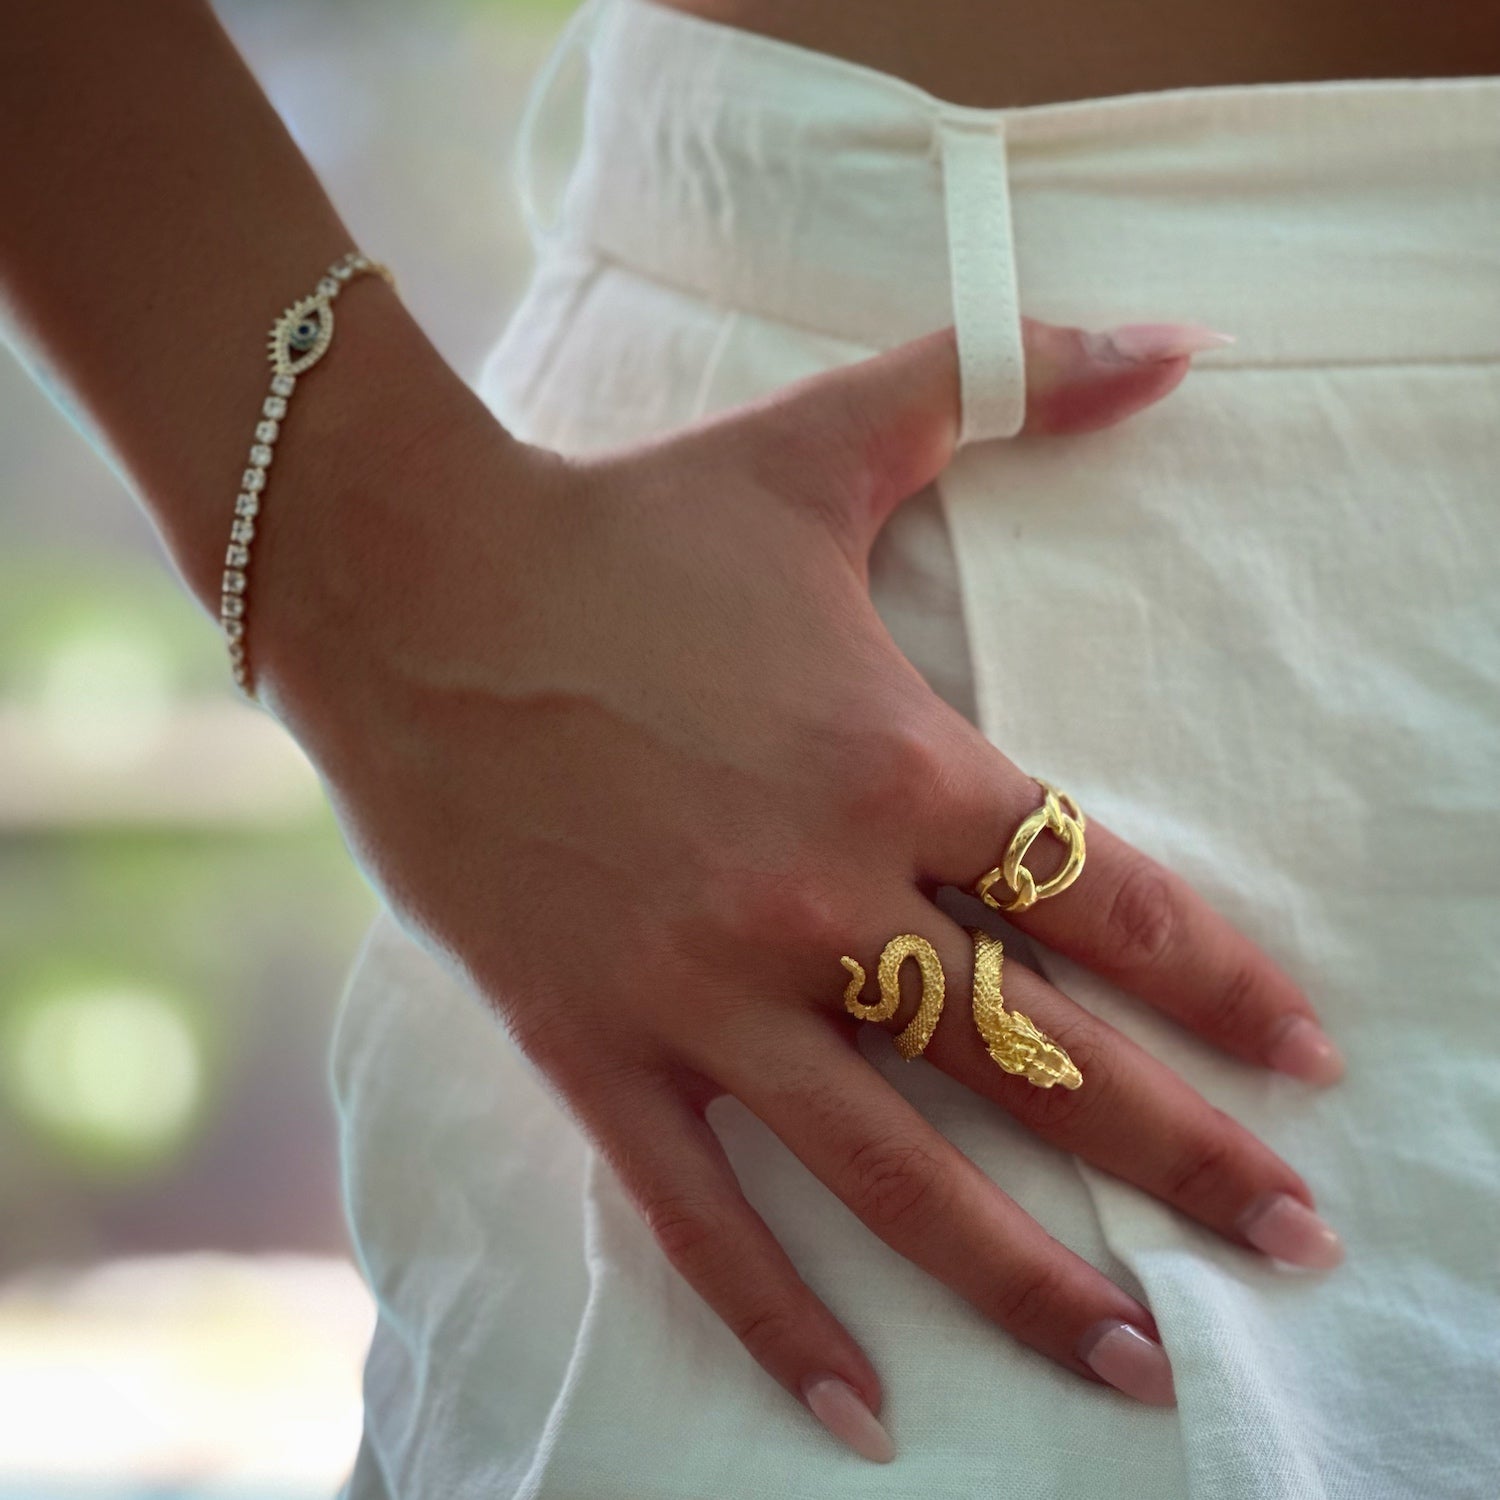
(1020, 1047)
(1045, 1062)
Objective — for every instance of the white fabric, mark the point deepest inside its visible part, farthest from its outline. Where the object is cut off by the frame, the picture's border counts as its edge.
(1255, 630)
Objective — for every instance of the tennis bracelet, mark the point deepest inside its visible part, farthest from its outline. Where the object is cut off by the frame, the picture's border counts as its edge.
(299, 339)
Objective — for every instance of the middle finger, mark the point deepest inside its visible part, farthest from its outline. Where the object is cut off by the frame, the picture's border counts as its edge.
(1128, 917)
(1133, 1116)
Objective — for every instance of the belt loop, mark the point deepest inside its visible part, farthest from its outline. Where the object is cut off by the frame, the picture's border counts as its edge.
(982, 266)
(579, 27)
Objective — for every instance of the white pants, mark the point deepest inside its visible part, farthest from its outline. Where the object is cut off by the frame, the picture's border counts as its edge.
(1255, 629)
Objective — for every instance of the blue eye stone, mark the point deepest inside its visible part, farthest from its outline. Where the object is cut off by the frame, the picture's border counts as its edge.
(305, 334)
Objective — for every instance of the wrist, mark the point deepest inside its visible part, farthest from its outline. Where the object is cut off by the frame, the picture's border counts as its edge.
(351, 505)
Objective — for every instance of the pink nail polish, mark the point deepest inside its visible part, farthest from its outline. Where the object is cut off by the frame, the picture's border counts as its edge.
(1280, 1226)
(1142, 343)
(1130, 1361)
(1303, 1049)
(836, 1404)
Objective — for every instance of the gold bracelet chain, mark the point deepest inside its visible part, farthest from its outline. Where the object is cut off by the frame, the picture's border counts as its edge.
(299, 338)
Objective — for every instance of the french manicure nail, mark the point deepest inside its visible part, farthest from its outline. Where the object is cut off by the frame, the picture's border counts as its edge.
(1280, 1226)
(1143, 343)
(1130, 1361)
(836, 1404)
(1303, 1049)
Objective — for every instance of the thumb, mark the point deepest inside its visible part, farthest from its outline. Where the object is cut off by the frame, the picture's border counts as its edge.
(866, 435)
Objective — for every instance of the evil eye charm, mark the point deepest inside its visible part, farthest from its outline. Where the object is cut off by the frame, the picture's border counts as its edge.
(300, 335)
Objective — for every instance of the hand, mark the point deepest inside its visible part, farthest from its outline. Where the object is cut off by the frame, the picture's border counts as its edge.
(655, 674)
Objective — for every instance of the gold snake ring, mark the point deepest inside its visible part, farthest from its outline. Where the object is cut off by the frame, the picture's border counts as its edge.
(1013, 1041)
(919, 1029)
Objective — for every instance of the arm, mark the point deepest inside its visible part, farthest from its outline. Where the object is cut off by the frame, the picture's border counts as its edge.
(158, 216)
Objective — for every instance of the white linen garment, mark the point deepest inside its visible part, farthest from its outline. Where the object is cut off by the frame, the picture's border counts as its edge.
(1254, 629)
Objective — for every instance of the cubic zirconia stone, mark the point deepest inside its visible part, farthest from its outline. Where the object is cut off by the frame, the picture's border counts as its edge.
(342, 270)
(266, 432)
(233, 629)
(328, 287)
(234, 581)
(253, 479)
(260, 455)
(232, 607)
(283, 385)
(246, 505)
(242, 530)
(360, 262)
(237, 556)
(274, 406)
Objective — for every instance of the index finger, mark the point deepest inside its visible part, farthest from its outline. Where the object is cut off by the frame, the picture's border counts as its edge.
(1137, 923)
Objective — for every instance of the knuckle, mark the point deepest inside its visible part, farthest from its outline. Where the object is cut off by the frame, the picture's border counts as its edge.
(1030, 1296)
(1202, 1166)
(784, 906)
(799, 908)
(691, 1232)
(899, 770)
(1144, 914)
(849, 433)
(893, 1185)
(1239, 1008)
(813, 465)
(764, 1327)
(1070, 1117)
(1051, 1113)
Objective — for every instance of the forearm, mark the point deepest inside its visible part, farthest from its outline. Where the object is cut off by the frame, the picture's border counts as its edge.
(157, 217)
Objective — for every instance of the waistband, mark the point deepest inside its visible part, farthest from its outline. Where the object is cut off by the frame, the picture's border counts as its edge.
(1329, 222)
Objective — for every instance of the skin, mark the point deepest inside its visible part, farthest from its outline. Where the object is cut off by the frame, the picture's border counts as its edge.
(655, 672)
(994, 53)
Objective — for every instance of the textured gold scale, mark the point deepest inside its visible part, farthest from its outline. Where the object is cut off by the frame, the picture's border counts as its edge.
(1014, 1043)
(918, 1031)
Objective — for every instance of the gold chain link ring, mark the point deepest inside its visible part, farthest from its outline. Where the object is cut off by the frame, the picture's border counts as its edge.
(1059, 813)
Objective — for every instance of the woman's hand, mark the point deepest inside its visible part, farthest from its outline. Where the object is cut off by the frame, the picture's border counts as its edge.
(655, 675)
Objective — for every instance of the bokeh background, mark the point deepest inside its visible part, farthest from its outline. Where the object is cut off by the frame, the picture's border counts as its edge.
(179, 1313)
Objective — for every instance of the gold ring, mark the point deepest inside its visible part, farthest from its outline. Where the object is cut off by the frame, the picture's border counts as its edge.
(1013, 1041)
(1059, 813)
(918, 1031)
(1015, 1044)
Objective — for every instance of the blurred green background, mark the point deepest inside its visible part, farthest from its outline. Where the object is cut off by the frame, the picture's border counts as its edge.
(178, 912)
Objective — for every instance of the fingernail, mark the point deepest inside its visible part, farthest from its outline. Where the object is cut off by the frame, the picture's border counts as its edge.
(836, 1404)
(1279, 1225)
(1130, 1361)
(1302, 1049)
(1142, 343)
